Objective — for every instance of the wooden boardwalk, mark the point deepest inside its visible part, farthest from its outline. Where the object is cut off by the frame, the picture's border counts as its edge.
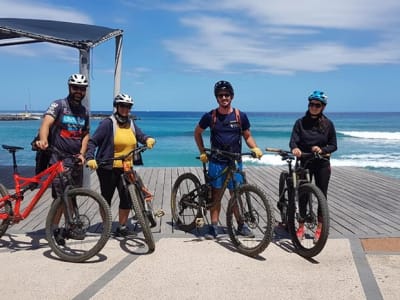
(362, 203)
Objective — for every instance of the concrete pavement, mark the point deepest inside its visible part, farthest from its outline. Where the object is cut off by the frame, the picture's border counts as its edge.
(187, 267)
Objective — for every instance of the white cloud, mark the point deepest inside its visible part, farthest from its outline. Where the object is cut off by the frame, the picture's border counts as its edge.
(37, 10)
(286, 36)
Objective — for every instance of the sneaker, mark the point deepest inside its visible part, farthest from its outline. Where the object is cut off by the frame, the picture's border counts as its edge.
(124, 231)
(300, 232)
(244, 230)
(59, 237)
(212, 232)
(317, 234)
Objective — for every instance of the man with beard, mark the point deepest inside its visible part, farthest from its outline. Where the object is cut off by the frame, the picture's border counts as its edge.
(66, 125)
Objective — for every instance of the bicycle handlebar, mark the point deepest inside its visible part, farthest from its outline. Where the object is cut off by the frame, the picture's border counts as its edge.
(125, 156)
(285, 154)
(227, 154)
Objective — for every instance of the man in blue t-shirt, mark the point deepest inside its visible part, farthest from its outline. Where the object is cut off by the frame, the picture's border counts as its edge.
(227, 126)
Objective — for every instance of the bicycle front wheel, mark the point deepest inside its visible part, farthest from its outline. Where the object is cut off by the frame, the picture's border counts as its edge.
(311, 210)
(185, 207)
(79, 229)
(6, 208)
(148, 206)
(141, 217)
(253, 208)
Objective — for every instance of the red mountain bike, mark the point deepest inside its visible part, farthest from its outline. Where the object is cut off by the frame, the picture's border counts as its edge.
(78, 224)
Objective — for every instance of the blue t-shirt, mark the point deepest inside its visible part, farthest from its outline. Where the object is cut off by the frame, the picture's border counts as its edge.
(226, 133)
(70, 126)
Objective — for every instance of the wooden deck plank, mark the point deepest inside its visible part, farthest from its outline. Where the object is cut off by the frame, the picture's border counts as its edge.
(361, 203)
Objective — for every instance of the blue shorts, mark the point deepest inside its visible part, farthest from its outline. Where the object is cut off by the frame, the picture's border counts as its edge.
(215, 169)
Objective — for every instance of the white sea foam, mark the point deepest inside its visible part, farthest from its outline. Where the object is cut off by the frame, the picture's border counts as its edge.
(383, 135)
(360, 160)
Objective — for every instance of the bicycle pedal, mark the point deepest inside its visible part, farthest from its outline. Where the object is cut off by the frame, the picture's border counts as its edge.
(159, 213)
(199, 222)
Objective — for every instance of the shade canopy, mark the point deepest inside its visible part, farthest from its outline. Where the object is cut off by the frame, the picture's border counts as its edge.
(81, 36)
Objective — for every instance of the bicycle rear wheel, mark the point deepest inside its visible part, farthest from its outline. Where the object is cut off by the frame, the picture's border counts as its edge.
(141, 217)
(89, 227)
(255, 210)
(316, 210)
(283, 197)
(185, 207)
(5, 207)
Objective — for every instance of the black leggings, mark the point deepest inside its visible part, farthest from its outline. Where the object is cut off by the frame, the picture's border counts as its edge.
(109, 181)
(321, 177)
(321, 173)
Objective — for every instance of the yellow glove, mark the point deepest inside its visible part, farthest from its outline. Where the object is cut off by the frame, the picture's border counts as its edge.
(92, 164)
(257, 151)
(150, 143)
(204, 157)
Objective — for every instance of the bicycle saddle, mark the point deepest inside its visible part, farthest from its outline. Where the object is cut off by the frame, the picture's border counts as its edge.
(12, 148)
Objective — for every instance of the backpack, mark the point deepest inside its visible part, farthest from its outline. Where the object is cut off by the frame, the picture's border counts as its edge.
(42, 158)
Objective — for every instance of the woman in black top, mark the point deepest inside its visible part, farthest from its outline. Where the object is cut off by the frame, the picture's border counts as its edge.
(314, 132)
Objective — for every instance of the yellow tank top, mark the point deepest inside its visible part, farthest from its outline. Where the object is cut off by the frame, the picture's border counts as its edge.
(124, 142)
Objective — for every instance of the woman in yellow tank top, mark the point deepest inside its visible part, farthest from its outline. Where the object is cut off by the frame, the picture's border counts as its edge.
(115, 136)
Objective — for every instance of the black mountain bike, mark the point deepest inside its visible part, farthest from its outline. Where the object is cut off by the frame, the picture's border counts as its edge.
(301, 201)
(190, 200)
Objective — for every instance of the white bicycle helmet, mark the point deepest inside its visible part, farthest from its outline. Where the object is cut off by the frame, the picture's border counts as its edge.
(78, 79)
(123, 98)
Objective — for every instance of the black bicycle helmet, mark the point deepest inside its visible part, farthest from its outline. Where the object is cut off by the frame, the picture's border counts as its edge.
(223, 85)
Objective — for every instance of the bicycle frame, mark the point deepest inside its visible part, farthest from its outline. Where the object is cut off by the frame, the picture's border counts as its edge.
(299, 174)
(23, 184)
(229, 171)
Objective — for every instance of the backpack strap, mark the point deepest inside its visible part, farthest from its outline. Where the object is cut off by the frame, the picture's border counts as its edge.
(214, 117)
(115, 124)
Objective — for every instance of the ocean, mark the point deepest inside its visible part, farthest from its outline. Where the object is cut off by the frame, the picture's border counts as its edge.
(367, 140)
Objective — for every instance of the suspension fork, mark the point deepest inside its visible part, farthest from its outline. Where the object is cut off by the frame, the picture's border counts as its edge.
(69, 206)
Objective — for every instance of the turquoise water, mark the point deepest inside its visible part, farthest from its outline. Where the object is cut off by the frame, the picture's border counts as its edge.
(369, 140)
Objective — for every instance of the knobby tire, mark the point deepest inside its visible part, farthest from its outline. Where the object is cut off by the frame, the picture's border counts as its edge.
(141, 217)
(283, 197)
(257, 216)
(5, 207)
(185, 210)
(306, 247)
(148, 206)
(89, 233)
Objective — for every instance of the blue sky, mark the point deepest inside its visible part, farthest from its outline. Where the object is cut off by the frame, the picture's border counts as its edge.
(275, 53)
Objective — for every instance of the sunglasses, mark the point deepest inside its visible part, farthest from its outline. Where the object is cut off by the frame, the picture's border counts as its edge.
(223, 95)
(78, 88)
(125, 105)
(312, 104)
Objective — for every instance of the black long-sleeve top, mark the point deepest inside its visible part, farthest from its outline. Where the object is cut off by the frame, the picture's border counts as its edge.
(308, 132)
